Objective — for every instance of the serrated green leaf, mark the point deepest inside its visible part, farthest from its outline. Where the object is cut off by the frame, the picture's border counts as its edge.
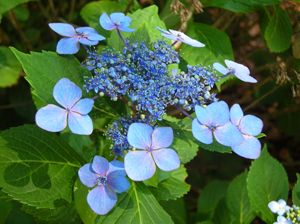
(221, 214)
(7, 5)
(176, 209)
(267, 181)
(173, 187)
(136, 206)
(17, 216)
(153, 181)
(238, 202)
(279, 31)
(37, 167)
(296, 191)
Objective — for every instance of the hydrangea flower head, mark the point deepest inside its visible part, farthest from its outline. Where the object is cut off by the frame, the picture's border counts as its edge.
(279, 207)
(116, 20)
(69, 44)
(54, 119)
(249, 126)
(282, 220)
(240, 71)
(109, 179)
(179, 36)
(139, 165)
(214, 119)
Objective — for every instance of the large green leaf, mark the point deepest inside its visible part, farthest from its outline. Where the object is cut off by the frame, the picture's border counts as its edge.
(267, 181)
(177, 210)
(136, 206)
(221, 213)
(279, 31)
(5, 206)
(7, 5)
(296, 192)
(37, 167)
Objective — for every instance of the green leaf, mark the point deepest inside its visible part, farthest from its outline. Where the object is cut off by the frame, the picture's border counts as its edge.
(10, 67)
(296, 192)
(21, 12)
(261, 135)
(5, 208)
(153, 181)
(267, 181)
(136, 206)
(176, 209)
(7, 5)
(17, 216)
(173, 187)
(37, 167)
(238, 202)
(279, 31)
(221, 213)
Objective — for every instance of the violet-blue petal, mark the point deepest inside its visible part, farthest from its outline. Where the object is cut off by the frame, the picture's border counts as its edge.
(220, 68)
(251, 125)
(80, 124)
(94, 36)
(250, 148)
(202, 115)
(83, 106)
(106, 22)
(126, 29)
(228, 135)
(100, 165)
(51, 118)
(162, 137)
(219, 113)
(166, 159)
(116, 165)
(86, 176)
(63, 29)
(201, 132)
(88, 42)
(86, 30)
(102, 199)
(236, 114)
(164, 31)
(139, 135)
(139, 165)
(117, 182)
(126, 20)
(117, 16)
(68, 45)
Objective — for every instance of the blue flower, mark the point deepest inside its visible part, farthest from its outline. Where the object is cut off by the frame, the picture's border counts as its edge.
(282, 220)
(139, 165)
(69, 44)
(117, 20)
(240, 71)
(279, 207)
(53, 118)
(214, 119)
(249, 127)
(179, 36)
(110, 179)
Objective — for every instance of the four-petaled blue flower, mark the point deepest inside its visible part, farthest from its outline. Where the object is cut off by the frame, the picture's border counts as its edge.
(179, 36)
(215, 119)
(53, 118)
(110, 179)
(139, 165)
(240, 71)
(116, 20)
(69, 44)
(279, 207)
(249, 126)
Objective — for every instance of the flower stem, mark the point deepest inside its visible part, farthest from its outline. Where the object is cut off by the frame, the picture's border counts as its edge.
(184, 112)
(85, 47)
(174, 43)
(122, 39)
(223, 76)
(95, 97)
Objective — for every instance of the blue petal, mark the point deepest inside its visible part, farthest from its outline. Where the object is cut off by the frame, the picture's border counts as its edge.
(139, 135)
(249, 149)
(100, 165)
(80, 124)
(228, 135)
(86, 176)
(186, 39)
(106, 22)
(219, 113)
(273, 206)
(164, 31)
(220, 68)
(116, 165)
(51, 118)
(241, 71)
(102, 199)
(68, 45)
(251, 125)
(139, 165)
(170, 36)
(88, 42)
(127, 20)
(162, 137)
(201, 132)
(236, 114)
(63, 29)
(117, 182)
(166, 159)
(202, 115)
(83, 106)
(95, 36)
(245, 78)
(117, 16)
(125, 29)
(86, 30)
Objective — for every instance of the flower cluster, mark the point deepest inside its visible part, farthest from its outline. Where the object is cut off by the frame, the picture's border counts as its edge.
(286, 214)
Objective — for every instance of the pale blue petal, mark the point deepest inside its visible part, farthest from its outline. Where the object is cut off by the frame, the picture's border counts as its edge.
(249, 149)
(236, 114)
(202, 115)
(251, 125)
(127, 20)
(273, 206)
(192, 42)
(51, 118)
(68, 45)
(139, 165)
(66, 93)
(86, 30)
(117, 182)
(228, 135)
(219, 113)
(237, 67)
(80, 124)
(106, 22)
(100, 165)
(88, 42)
(102, 199)
(116, 165)
(139, 135)
(86, 176)
(83, 106)
(94, 37)
(125, 29)
(117, 16)
(245, 78)
(201, 132)
(162, 137)
(220, 68)
(164, 31)
(63, 29)
(170, 36)
(166, 159)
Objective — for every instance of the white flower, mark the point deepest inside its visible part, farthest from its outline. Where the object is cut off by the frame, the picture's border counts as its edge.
(279, 207)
